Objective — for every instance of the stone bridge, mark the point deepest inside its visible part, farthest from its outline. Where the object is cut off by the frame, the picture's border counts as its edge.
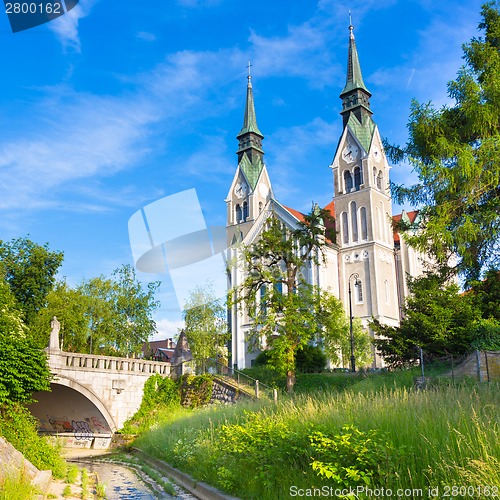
(91, 396)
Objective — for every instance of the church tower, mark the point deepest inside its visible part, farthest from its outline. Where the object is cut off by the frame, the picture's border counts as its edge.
(363, 205)
(251, 188)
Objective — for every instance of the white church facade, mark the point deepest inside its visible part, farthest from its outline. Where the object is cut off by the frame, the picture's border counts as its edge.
(367, 254)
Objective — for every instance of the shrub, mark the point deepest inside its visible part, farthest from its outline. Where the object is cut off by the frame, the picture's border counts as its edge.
(486, 335)
(352, 457)
(159, 393)
(19, 427)
(310, 359)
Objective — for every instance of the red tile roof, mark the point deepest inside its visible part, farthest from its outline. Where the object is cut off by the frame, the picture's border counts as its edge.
(330, 208)
(396, 218)
(298, 215)
(329, 224)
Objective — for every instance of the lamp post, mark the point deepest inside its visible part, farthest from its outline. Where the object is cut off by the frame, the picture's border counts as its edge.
(353, 360)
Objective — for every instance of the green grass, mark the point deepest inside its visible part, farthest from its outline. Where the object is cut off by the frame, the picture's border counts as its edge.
(85, 483)
(401, 438)
(72, 474)
(19, 428)
(17, 487)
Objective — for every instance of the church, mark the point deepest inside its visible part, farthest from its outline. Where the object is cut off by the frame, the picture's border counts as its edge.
(367, 258)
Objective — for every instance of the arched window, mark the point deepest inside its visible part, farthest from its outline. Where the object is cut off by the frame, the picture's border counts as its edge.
(364, 224)
(374, 176)
(387, 228)
(357, 178)
(359, 291)
(238, 213)
(354, 221)
(347, 181)
(345, 227)
(376, 224)
(379, 180)
(245, 210)
(260, 207)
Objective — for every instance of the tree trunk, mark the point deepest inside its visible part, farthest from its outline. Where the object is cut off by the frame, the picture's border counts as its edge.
(290, 381)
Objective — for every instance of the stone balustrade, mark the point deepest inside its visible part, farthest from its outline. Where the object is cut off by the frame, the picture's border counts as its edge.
(78, 361)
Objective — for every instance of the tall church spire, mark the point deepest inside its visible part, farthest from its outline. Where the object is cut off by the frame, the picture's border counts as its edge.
(355, 96)
(250, 137)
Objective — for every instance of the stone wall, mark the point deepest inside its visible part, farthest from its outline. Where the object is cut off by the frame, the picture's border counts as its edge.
(484, 365)
(224, 393)
(13, 463)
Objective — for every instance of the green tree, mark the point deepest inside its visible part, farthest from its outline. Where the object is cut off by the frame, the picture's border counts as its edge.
(455, 152)
(335, 334)
(101, 315)
(30, 271)
(23, 367)
(11, 323)
(119, 312)
(206, 324)
(436, 317)
(281, 304)
(69, 305)
(133, 306)
(486, 294)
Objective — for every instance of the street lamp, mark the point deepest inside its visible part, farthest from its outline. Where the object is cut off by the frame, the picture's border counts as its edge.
(356, 282)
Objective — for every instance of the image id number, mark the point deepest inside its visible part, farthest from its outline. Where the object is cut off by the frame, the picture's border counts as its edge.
(32, 8)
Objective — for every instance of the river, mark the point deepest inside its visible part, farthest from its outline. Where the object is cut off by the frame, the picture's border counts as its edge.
(123, 482)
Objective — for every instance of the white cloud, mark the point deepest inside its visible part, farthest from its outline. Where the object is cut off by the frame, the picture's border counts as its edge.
(146, 36)
(167, 328)
(214, 148)
(195, 4)
(74, 137)
(303, 52)
(434, 61)
(91, 136)
(293, 164)
(66, 26)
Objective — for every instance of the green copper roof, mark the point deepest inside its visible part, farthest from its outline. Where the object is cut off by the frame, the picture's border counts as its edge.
(251, 169)
(362, 131)
(354, 78)
(250, 120)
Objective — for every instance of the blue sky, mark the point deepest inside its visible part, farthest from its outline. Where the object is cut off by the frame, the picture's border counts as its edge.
(118, 104)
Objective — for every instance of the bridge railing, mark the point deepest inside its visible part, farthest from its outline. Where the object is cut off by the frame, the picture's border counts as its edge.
(214, 367)
(80, 361)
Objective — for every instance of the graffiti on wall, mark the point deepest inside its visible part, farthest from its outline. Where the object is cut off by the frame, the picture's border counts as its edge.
(82, 429)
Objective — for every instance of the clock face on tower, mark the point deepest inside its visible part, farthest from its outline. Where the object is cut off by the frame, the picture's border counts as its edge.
(350, 153)
(240, 190)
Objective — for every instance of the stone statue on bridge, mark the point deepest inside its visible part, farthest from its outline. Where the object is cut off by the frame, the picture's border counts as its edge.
(54, 335)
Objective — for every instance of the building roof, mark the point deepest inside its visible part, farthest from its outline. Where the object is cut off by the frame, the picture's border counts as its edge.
(250, 118)
(329, 223)
(298, 215)
(408, 217)
(251, 168)
(362, 130)
(354, 79)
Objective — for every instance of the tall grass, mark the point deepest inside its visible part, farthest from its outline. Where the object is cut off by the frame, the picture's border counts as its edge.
(445, 436)
(17, 487)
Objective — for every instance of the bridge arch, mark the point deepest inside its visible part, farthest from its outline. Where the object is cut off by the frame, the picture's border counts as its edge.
(74, 401)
